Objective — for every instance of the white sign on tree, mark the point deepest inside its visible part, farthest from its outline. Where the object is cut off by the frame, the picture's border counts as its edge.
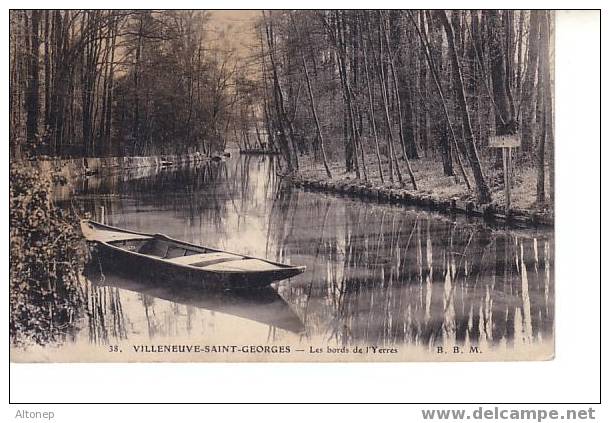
(506, 143)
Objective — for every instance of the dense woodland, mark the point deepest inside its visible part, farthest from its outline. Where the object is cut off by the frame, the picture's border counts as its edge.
(407, 86)
(94, 82)
(383, 92)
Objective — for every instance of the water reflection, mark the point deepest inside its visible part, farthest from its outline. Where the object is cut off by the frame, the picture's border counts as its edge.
(376, 274)
(388, 276)
(263, 305)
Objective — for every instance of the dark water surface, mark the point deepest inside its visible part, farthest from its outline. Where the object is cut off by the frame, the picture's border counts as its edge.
(377, 274)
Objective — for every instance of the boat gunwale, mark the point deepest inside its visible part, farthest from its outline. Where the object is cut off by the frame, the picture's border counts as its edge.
(282, 266)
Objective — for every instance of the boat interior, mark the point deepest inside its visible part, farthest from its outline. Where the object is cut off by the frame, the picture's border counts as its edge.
(181, 254)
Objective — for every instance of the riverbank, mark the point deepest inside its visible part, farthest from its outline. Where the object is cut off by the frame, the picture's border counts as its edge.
(78, 167)
(435, 191)
(259, 151)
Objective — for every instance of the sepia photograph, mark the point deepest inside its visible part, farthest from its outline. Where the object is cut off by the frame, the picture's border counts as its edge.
(281, 185)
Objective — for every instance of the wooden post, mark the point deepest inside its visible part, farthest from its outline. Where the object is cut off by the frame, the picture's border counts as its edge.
(506, 162)
(506, 142)
(510, 177)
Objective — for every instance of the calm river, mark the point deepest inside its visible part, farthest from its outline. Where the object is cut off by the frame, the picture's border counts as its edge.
(414, 282)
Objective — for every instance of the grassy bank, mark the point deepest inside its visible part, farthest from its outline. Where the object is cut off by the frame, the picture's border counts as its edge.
(435, 190)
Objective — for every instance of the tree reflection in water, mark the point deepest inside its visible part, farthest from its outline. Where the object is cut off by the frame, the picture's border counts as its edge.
(386, 275)
(376, 274)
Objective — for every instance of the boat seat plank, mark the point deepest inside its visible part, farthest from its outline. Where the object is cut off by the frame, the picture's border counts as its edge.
(203, 258)
(246, 265)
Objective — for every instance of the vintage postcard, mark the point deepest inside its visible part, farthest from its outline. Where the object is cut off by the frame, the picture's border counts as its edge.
(281, 186)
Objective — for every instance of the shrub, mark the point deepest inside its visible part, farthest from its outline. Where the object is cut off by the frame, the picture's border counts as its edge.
(46, 259)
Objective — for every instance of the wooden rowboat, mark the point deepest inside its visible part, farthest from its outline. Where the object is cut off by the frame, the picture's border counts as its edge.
(171, 260)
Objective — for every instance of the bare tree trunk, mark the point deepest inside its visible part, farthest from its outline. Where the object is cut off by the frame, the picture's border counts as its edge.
(258, 134)
(547, 109)
(356, 53)
(351, 148)
(505, 123)
(519, 56)
(473, 155)
(412, 150)
(509, 30)
(528, 97)
(540, 181)
(372, 112)
(32, 98)
(267, 111)
(106, 65)
(550, 109)
(439, 90)
(136, 83)
(108, 123)
(279, 102)
(47, 68)
(315, 116)
(384, 95)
